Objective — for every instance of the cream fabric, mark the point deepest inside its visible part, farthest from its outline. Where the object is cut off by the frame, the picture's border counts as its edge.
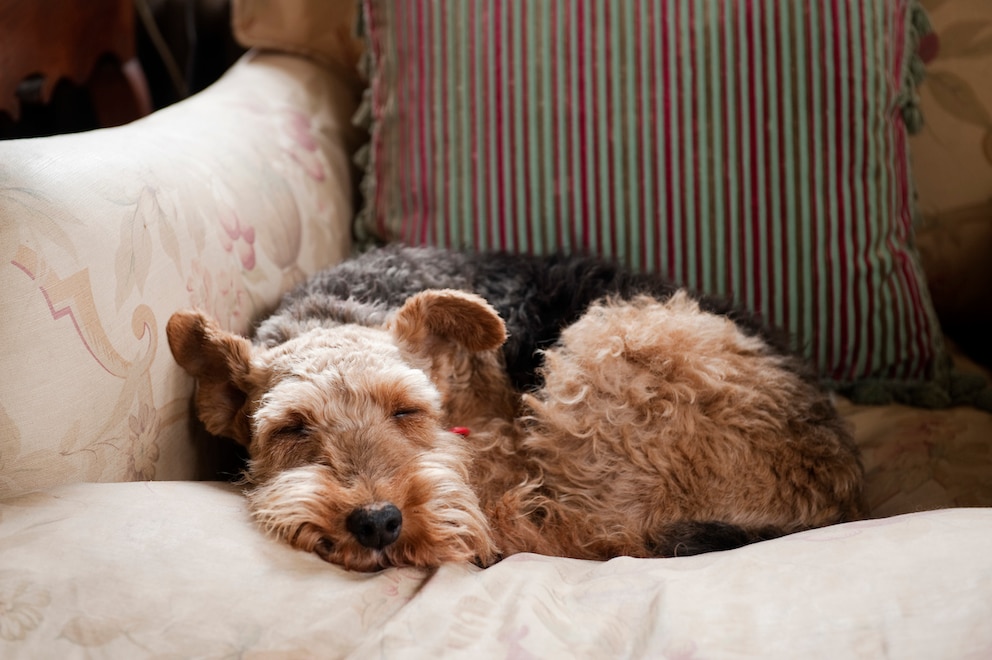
(167, 569)
(220, 202)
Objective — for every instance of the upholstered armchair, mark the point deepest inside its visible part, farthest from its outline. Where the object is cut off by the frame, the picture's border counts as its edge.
(121, 534)
(221, 202)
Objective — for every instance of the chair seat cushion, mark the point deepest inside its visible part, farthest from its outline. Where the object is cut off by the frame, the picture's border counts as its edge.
(178, 569)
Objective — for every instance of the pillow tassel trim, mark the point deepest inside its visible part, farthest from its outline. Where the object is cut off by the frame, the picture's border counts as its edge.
(364, 119)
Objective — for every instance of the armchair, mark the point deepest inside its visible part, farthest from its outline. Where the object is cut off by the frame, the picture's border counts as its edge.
(222, 202)
(119, 537)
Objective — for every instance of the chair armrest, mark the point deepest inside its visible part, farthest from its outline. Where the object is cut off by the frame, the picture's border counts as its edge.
(220, 202)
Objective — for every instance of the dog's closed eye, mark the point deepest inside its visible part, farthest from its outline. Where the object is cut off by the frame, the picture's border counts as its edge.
(296, 428)
(402, 413)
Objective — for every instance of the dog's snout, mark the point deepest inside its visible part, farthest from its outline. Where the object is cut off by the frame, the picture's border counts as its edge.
(375, 527)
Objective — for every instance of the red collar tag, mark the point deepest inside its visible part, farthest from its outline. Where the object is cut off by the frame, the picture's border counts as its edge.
(460, 430)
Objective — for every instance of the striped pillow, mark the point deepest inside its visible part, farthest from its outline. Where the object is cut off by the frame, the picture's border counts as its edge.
(751, 149)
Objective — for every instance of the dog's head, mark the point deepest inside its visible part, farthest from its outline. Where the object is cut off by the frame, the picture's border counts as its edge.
(350, 452)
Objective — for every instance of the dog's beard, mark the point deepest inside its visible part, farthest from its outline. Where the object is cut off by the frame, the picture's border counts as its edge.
(442, 520)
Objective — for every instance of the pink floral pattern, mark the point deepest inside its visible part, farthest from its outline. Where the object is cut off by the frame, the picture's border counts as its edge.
(111, 232)
(237, 238)
(220, 293)
(298, 141)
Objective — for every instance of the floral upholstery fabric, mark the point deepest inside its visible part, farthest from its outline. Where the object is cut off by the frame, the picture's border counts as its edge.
(177, 570)
(917, 459)
(952, 156)
(952, 161)
(221, 202)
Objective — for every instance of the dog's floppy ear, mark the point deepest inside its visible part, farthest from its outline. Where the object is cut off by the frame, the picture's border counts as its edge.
(456, 316)
(220, 361)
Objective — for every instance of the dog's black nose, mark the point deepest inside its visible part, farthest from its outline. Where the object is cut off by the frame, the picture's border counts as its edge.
(375, 527)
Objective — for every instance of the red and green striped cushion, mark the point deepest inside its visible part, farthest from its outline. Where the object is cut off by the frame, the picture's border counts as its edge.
(747, 148)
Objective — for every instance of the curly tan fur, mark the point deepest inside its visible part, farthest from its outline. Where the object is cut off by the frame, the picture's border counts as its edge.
(667, 414)
(654, 419)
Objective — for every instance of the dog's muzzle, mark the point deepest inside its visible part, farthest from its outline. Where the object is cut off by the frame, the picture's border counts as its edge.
(376, 526)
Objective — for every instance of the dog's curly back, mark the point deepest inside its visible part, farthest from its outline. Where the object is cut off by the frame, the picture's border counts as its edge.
(610, 413)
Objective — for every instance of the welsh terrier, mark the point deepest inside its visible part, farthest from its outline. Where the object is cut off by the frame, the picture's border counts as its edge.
(416, 406)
